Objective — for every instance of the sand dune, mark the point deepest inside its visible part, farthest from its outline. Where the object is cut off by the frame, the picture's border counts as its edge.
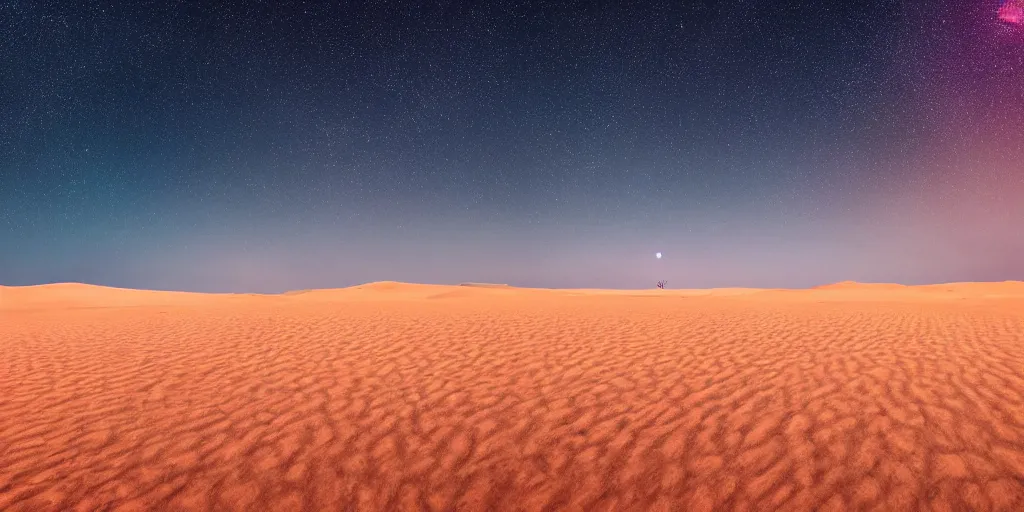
(390, 396)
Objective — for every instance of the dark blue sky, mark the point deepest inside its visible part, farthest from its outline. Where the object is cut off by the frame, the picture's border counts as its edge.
(227, 147)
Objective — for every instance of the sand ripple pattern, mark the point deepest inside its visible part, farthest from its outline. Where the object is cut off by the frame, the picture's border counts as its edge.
(464, 402)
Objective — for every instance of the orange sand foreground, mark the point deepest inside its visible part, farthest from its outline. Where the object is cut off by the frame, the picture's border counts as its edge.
(395, 396)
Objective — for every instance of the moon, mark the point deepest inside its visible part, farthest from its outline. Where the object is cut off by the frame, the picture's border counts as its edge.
(657, 255)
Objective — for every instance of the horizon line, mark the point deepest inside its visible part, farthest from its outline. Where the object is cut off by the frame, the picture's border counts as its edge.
(847, 283)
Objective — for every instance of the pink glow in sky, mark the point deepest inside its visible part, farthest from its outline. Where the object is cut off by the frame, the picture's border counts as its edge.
(1012, 11)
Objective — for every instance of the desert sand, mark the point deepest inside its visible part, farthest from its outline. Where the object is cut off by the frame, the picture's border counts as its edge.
(394, 396)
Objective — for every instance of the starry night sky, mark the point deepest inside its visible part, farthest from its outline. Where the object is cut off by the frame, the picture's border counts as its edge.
(258, 148)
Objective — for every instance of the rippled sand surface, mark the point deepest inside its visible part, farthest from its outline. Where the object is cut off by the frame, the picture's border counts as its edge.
(393, 396)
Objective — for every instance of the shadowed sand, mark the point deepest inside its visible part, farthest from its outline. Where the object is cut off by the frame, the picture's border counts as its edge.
(392, 396)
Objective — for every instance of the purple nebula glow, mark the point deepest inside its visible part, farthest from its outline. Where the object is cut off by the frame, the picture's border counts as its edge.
(1012, 11)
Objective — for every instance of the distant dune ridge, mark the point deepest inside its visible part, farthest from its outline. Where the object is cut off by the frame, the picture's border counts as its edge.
(85, 295)
(843, 285)
(399, 396)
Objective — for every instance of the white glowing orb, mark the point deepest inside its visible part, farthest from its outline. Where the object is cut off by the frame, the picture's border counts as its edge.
(657, 255)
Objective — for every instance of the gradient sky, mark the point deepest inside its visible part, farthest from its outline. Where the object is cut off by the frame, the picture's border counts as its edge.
(255, 148)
